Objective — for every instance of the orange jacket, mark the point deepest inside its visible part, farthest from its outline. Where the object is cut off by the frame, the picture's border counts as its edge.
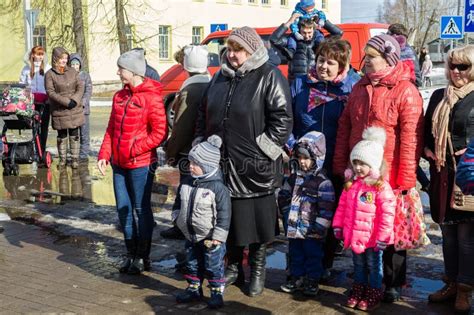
(395, 105)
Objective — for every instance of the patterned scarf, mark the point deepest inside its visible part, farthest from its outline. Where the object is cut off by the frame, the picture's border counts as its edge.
(440, 120)
(318, 97)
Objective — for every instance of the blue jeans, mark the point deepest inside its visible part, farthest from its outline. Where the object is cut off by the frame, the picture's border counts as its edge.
(203, 262)
(458, 252)
(132, 188)
(85, 138)
(368, 263)
(306, 258)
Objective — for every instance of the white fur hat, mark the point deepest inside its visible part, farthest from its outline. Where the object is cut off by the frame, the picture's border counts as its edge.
(195, 58)
(371, 148)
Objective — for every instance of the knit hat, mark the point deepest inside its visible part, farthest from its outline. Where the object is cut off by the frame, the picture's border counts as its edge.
(307, 3)
(388, 46)
(133, 61)
(248, 38)
(370, 149)
(207, 154)
(195, 58)
(312, 145)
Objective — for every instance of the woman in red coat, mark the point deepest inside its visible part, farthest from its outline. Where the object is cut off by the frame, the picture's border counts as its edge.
(137, 126)
(385, 97)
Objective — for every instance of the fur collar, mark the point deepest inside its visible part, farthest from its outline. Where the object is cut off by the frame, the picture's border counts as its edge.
(255, 61)
(198, 78)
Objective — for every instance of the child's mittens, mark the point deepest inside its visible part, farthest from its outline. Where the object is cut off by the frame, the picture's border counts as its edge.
(298, 36)
(321, 18)
(338, 233)
(380, 246)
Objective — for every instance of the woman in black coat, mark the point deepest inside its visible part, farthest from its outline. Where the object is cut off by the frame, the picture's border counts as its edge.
(248, 104)
(449, 121)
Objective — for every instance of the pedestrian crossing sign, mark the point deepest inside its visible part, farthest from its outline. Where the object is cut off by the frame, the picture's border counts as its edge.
(452, 27)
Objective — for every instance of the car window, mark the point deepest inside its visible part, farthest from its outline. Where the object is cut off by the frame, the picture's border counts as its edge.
(216, 45)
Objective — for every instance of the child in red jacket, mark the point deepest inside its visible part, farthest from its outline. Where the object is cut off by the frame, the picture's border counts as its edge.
(364, 218)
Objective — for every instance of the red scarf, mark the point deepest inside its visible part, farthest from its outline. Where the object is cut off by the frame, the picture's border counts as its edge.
(317, 97)
(376, 77)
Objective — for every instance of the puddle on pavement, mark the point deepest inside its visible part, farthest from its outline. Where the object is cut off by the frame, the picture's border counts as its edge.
(53, 186)
(167, 263)
(276, 260)
(424, 286)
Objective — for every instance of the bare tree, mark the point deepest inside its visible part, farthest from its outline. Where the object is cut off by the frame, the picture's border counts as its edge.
(121, 31)
(78, 30)
(421, 17)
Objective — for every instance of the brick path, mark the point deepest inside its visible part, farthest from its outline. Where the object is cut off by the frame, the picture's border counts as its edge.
(40, 273)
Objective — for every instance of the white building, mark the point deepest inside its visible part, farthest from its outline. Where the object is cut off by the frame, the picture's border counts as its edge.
(163, 26)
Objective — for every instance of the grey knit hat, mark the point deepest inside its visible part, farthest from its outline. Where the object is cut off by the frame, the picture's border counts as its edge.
(247, 37)
(388, 46)
(133, 61)
(207, 154)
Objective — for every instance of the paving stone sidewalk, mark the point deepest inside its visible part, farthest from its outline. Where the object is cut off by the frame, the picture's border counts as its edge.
(41, 273)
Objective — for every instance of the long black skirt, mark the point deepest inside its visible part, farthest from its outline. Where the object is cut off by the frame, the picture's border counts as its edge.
(253, 220)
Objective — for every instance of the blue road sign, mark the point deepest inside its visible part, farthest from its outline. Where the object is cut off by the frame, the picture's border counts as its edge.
(451, 27)
(469, 16)
(218, 27)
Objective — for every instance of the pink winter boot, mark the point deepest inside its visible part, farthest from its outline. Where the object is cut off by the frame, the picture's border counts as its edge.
(357, 292)
(371, 300)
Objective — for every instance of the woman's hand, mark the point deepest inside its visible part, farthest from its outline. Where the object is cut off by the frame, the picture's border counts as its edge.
(429, 154)
(102, 165)
(460, 152)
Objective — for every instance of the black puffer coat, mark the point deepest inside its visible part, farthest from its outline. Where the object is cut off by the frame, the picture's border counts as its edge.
(240, 106)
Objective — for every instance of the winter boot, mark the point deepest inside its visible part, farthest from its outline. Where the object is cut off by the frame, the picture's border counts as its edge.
(217, 297)
(463, 298)
(371, 299)
(62, 151)
(192, 293)
(127, 262)
(75, 144)
(357, 293)
(257, 261)
(234, 273)
(311, 287)
(138, 263)
(446, 293)
(293, 284)
(392, 294)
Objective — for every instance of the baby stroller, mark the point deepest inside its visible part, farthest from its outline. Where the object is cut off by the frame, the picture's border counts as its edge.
(20, 114)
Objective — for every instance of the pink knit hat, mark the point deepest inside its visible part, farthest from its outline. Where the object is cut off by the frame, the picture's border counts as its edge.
(388, 46)
(246, 37)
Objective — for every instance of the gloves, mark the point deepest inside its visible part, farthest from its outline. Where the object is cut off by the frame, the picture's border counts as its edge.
(338, 234)
(72, 104)
(298, 36)
(380, 246)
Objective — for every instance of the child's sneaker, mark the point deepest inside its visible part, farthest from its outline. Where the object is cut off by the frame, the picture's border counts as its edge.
(311, 287)
(192, 293)
(357, 292)
(217, 297)
(371, 300)
(293, 284)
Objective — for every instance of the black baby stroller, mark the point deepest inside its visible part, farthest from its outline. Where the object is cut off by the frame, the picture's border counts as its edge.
(21, 130)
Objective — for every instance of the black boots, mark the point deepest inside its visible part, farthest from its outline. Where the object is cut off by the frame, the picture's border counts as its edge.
(257, 260)
(234, 273)
(138, 257)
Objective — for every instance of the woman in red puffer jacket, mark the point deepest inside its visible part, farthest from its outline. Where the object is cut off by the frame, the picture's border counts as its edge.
(137, 126)
(385, 97)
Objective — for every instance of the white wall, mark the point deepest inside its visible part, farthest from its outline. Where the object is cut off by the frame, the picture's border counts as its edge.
(182, 15)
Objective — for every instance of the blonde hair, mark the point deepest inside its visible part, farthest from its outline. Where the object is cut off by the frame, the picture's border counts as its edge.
(234, 45)
(376, 182)
(464, 55)
(371, 51)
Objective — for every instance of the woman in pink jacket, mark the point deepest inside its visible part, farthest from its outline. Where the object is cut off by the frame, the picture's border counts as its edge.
(364, 218)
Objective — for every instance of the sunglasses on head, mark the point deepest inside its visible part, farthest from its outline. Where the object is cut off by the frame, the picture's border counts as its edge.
(460, 67)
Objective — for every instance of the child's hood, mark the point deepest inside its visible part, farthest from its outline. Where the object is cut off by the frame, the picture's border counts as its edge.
(315, 143)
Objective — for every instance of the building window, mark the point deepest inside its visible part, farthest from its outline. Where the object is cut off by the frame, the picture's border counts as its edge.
(265, 2)
(324, 4)
(237, 1)
(39, 36)
(252, 1)
(198, 32)
(164, 39)
(284, 3)
(129, 35)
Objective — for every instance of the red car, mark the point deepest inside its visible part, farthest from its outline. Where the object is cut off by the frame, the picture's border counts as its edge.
(356, 33)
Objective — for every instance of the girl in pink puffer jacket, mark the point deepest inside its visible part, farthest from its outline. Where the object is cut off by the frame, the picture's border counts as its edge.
(364, 218)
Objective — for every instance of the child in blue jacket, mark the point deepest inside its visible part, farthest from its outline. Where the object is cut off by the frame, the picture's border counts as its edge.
(465, 171)
(308, 11)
